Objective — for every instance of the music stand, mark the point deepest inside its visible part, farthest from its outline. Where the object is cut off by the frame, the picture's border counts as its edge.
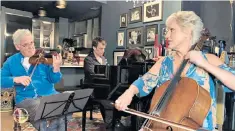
(79, 103)
(62, 104)
(79, 100)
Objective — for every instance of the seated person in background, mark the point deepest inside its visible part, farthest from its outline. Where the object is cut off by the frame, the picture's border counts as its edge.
(94, 58)
(183, 30)
(15, 73)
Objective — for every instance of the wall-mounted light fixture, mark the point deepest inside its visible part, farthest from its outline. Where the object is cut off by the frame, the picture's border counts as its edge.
(61, 4)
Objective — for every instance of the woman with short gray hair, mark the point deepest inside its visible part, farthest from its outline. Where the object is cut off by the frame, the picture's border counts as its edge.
(188, 19)
(183, 29)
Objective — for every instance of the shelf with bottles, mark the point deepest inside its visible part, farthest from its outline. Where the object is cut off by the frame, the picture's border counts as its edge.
(47, 25)
(36, 30)
(43, 32)
(36, 34)
(46, 42)
(47, 32)
(73, 56)
(36, 25)
(231, 56)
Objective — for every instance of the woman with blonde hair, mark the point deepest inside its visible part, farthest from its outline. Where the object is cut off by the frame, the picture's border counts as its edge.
(183, 30)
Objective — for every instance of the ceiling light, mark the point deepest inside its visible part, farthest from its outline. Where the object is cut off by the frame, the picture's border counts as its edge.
(41, 12)
(61, 4)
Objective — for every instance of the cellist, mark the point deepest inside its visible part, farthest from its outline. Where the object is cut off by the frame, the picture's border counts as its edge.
(183, 30)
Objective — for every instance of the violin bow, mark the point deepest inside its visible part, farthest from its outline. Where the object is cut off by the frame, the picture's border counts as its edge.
(34, 68)
(39, 57)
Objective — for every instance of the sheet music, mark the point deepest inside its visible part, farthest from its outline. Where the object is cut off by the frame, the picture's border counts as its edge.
(52, 106)
(82, 97)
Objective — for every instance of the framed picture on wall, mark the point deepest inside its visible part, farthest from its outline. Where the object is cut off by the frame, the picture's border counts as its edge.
(150, 32)
(121, 39)
(123, 20)
(149, 51)
(135, 37)
(117, 56)
(135, 15)
(153, 11)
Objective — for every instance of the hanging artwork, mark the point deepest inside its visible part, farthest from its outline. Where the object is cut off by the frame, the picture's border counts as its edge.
(150, 32)
(117, 56)
(150, 52)
(121, 39)
(135, 15)
(135, 37)
(123, 20)
(153, 11)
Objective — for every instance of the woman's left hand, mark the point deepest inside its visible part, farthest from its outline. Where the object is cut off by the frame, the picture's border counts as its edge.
(197, 58)
(57, 61)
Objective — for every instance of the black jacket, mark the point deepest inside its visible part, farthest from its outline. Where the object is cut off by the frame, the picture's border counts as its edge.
(89, 65)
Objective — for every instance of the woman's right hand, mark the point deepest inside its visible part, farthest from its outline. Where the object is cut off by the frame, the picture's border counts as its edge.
(124, 100)
(24, 80)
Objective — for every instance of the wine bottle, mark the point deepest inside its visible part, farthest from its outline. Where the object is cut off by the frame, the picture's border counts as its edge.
(157, 47)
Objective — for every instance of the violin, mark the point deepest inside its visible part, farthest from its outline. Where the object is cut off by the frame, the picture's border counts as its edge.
(43, 56)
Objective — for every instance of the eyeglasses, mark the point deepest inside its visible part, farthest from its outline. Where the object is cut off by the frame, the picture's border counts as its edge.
(28, 45)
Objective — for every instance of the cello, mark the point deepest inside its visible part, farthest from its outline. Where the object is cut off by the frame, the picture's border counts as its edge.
(179, 104)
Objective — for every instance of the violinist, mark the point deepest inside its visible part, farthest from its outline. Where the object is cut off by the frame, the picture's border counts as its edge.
(17, 72)
(183, 30)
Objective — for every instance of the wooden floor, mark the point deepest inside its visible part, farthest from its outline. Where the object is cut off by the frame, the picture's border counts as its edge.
(7, 122)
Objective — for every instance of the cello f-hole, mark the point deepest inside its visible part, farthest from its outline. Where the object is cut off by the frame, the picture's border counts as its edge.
(169, 128)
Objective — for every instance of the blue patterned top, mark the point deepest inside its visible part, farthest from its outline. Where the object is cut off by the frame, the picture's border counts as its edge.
(149, 81)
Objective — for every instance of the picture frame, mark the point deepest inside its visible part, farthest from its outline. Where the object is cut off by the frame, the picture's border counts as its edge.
(121, 39)
(135, 15)
(135, 37)
(150, 33)
(117, 56)
(153, 11)
(149, 51)
(123, 20)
